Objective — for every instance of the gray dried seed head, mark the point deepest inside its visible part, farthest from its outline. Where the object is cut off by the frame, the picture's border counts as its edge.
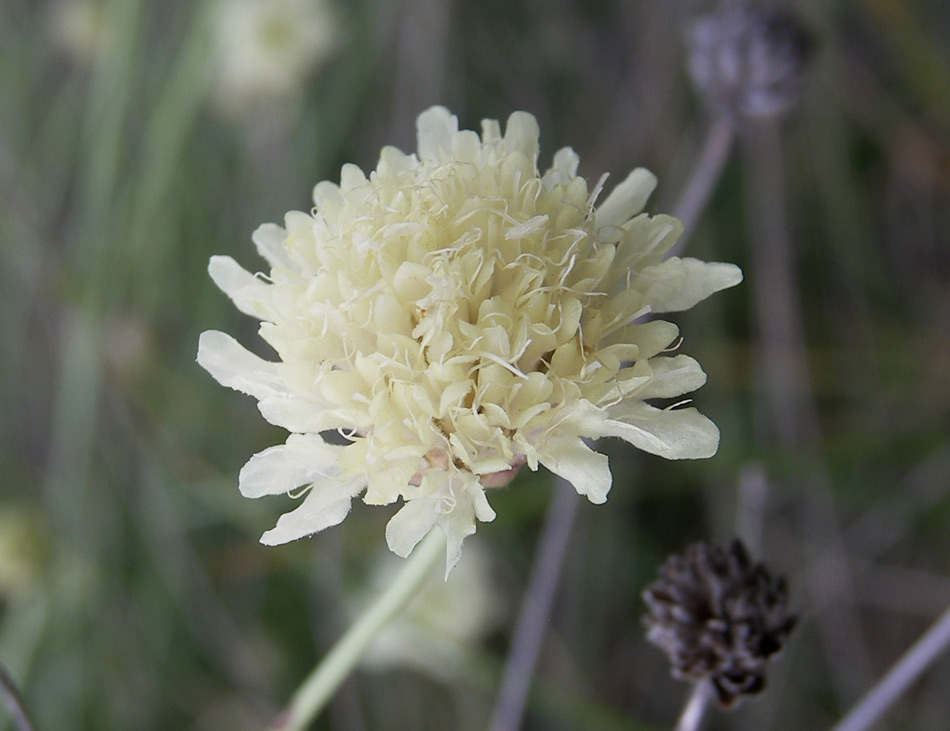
(718, 617)
(748, 60)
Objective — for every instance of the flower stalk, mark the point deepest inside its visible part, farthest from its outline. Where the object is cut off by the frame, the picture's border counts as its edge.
(535, 608)
(705, 176)
(691, 718)
(899, 678)
(312, 696)
(14, 702)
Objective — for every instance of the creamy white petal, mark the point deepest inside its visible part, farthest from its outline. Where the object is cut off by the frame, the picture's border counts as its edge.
(327, 197)
(236, 367)
(411, 524)
(300, 414)
(269, 240)
(467, 147)
(522, 133)
(483, 511)
(627, 199)
(678, 284)
(249, 293)
(434, 129)
(564, 168)
(393, 161)
(672, 377)
(459, 524)
(326, 504)
(669, 433)
(577, 463)
(304, 459)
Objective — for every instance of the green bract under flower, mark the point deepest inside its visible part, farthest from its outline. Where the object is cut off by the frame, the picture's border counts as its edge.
(456, 315)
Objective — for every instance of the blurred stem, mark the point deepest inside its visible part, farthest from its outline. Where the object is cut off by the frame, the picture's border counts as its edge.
(104, 118)
(704, 177)
(13, 701)
(904, 672)
(789, 402)
(692, 717)
(320, 685)
(535, 608)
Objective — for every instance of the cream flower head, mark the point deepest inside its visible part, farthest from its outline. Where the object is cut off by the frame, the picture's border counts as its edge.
(456, 315)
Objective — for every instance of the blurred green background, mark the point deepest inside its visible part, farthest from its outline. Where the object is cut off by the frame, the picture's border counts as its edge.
(133, 592)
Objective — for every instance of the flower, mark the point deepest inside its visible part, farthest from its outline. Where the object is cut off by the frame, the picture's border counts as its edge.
(443, 624)
(80, 29)
(265, 49)
(456, 315)
(719, 617)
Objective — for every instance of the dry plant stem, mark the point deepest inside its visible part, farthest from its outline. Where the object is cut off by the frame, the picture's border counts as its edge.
(14, 703)
(904, 672)
(790, 404)
(535, 608)
(692, 717)
(320, 685)
(704, 177)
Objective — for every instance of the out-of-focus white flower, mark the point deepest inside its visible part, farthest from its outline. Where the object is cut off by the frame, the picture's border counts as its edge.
(444, 621)
(456, 315)
(266, 49)
(80, 28)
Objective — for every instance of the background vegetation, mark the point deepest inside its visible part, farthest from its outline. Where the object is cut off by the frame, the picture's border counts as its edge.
(133, 592)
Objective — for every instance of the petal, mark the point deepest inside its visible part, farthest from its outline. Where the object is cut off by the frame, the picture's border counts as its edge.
(563, 169)
(522, 134)
(269, 239)
(304, 459)
(644, 241)
(249, 293)
(580, 465)
(327, 197)
(467, 147)
(410, 525)
(392, 161)
(673, 377)
(626, 200)
(678, 284)
(453, 505)
(235, 367)
(459, 524)
(327, 504)
(526, 228)
(434, 129)
(301, 415)
(352, 178)
(491, 130)
(669, 433)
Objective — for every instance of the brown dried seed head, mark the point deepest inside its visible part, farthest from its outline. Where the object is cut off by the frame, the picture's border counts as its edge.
(718, 616)
(748, 59)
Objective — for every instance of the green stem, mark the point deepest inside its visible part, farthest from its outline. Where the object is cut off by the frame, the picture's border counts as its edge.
(320, 685)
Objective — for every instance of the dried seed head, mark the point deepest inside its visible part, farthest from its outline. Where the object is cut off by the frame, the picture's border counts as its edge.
(747, 60)
(718, 616)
